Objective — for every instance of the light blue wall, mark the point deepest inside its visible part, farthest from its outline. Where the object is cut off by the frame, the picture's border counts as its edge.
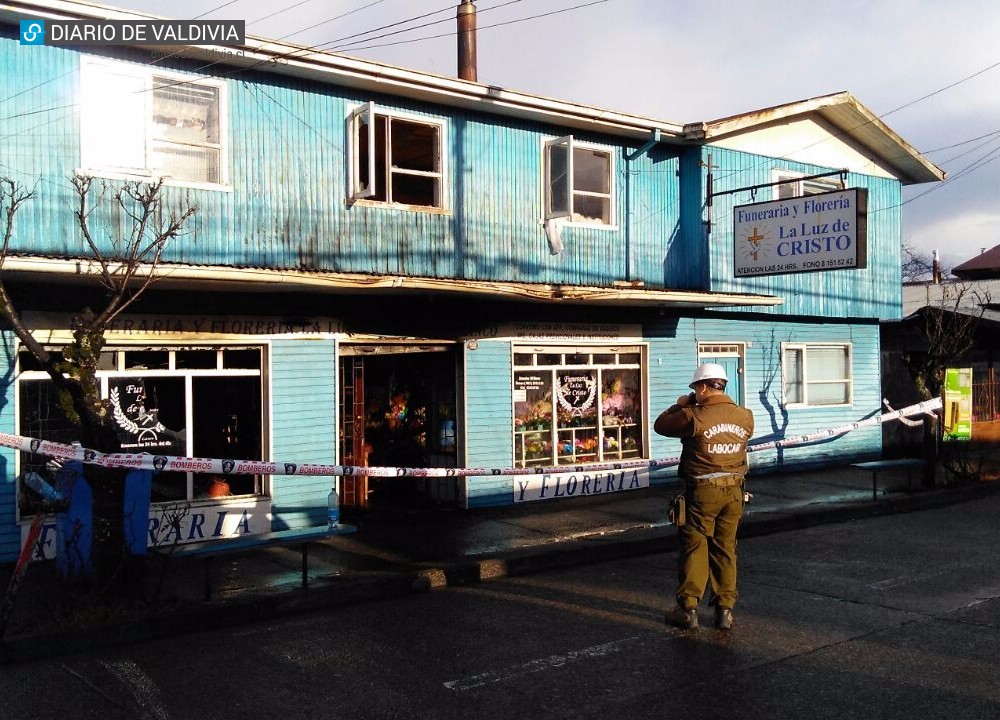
(287, 206)
(489, 422)
(871, 292)
(672, 357)
(304, 430)
(286, 209)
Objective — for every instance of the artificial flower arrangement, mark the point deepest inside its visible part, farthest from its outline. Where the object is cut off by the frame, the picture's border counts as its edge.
(537, 448)
(579, 446)
(538, 417)
(616, 407)
(398, 411)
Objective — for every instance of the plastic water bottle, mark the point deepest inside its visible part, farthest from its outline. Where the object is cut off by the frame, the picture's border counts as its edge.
(36, 483)
(333, 508)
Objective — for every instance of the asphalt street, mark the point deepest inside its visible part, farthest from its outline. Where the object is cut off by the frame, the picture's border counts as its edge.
(886, 617)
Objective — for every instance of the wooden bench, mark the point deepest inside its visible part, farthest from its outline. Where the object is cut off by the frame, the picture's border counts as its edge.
(207, 549)
(876, 466)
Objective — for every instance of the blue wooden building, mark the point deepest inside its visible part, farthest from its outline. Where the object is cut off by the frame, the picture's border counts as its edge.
(389, 267)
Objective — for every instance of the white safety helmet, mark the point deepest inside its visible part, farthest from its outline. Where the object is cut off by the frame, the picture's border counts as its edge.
(709, 371)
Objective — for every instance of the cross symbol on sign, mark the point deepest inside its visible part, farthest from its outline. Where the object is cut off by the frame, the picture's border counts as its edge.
(755, 239)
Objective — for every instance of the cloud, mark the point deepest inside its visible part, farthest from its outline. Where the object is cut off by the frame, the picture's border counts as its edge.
(958, 237)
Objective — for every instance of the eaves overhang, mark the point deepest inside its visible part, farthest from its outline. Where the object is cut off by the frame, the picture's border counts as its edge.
(848, 116)
(230, 279)
(283, 58)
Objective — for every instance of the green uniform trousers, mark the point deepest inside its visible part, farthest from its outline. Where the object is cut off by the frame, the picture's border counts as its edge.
(708, 545)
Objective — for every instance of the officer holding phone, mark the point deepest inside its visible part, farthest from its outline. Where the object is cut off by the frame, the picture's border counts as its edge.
(714, 433)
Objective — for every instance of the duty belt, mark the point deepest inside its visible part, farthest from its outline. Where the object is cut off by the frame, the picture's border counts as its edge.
(717, 481)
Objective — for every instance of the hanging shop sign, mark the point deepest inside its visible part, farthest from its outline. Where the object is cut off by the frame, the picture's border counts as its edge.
(826, 231)
(958, 404)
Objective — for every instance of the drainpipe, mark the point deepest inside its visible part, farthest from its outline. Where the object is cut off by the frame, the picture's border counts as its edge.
(467, 40)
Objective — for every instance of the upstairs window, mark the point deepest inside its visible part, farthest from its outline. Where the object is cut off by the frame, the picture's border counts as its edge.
(141, 124)
(794, 185)
(396, 159)
(578, 182)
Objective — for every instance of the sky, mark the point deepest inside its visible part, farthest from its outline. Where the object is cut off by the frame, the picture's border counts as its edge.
(929, 69)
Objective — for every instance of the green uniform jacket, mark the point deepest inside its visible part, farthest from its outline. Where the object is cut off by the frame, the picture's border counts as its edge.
(714, 437)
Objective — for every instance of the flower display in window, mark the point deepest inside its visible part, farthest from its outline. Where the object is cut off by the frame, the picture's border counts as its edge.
(614, 402)
(538, 448)
(618, 403)
(538, 417)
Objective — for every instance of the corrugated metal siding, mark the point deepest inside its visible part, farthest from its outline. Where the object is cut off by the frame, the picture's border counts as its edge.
(673, 357)
(39, 140)
(489, 421)
(651, 218)
(304, 430)
(763, 383)
(687, 262)
(873, 292)
(10, 532)
(287, 206)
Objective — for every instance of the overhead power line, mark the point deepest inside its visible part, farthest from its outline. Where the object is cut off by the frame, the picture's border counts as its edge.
(352, 47)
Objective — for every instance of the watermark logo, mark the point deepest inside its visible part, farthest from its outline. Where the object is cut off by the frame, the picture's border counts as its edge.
(32, 32)
(64, 33)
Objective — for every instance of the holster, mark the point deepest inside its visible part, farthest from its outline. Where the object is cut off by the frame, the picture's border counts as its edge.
(678, 511)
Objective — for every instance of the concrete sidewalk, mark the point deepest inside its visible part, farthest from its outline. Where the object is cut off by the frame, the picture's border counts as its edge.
(394, 554)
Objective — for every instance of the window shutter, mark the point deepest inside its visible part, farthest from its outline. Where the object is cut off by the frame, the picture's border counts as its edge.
(114, 119)
(559, 178)
(363, 151)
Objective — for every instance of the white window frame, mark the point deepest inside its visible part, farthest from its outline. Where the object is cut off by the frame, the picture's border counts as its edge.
(567, 213)
(803, 348)
(188, 375)
(94, 75)
(356, 192)
(712, 351)
(642, 421)
(799, 186)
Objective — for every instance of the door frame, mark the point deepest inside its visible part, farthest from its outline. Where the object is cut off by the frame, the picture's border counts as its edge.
(714, 351)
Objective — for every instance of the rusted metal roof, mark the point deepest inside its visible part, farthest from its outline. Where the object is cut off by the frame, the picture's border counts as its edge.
(985, 266)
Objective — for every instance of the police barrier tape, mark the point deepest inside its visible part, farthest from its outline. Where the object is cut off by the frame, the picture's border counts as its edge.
(164, 463)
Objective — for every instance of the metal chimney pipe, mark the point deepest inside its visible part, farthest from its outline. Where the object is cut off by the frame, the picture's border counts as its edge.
(467, 40)
(936, 269)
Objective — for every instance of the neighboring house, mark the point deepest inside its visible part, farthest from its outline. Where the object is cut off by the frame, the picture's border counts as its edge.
(389, 267)
(969, 304)
(984, 266)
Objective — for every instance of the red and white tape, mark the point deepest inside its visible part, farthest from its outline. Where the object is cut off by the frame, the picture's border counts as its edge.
(165, 463)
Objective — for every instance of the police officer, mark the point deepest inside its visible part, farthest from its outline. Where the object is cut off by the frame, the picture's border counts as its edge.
(714, 432)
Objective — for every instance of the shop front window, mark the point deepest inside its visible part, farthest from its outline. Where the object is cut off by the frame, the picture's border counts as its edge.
(197, 403)
(577, 406)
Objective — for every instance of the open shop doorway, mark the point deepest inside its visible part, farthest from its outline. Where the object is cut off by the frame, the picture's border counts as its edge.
(398, 409)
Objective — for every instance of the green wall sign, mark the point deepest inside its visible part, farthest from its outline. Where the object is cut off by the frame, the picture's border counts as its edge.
(958, 404)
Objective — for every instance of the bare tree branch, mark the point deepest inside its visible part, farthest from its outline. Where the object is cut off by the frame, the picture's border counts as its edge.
(125, 273)
(948, 333)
